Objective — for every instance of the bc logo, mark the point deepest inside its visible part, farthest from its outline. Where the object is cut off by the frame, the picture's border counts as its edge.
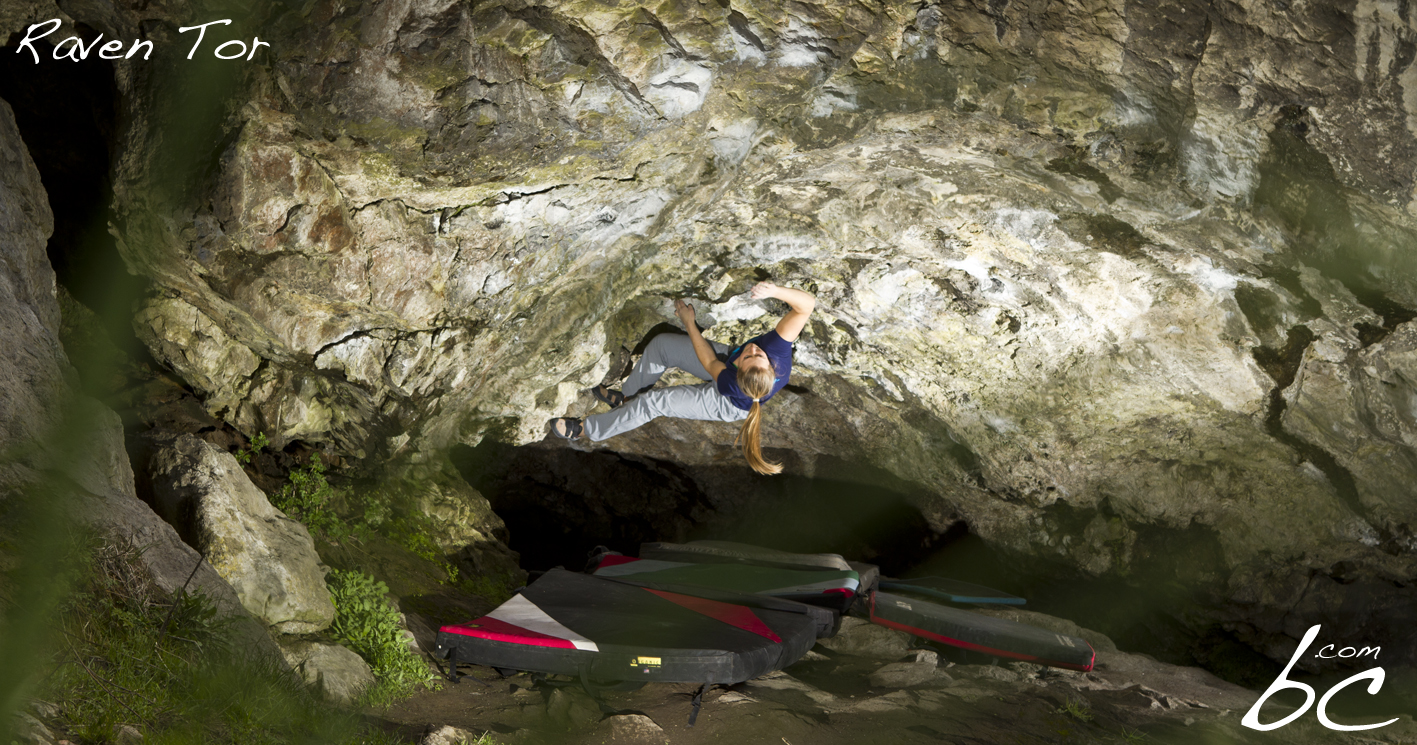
(1377, 675)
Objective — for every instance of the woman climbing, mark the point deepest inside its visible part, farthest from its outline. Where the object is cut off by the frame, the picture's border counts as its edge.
(741, 382)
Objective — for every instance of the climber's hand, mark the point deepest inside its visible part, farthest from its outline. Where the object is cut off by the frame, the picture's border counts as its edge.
(685, 312)
(762, 290)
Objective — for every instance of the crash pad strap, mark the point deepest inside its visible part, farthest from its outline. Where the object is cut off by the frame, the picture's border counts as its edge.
(453, 663)
(698, 702)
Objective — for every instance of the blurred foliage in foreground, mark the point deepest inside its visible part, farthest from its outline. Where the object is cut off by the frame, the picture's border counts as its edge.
(130, 655)
(85, 631)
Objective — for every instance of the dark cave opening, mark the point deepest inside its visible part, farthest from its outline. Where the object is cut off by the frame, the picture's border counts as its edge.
(67, 114)
(559, 503)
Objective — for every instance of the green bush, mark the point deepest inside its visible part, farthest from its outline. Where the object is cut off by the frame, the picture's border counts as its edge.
(307, 498)
(310, 498)
(366, 623)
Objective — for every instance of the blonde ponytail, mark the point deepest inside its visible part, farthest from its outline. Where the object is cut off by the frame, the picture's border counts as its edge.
(757, 384)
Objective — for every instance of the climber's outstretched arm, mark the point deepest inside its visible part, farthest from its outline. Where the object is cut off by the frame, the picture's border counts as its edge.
(801, 303)
(702, 349)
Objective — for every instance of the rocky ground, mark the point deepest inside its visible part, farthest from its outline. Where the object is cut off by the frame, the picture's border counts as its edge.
(867, 686)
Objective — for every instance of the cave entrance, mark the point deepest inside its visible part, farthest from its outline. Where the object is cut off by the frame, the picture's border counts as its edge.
(559, 503)
(67, 114)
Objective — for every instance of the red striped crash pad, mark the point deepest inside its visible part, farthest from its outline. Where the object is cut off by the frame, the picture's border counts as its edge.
(835, 589)
(979, 633)
(576, 624)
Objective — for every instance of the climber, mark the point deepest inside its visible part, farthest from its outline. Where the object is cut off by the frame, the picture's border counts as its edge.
(742, 379)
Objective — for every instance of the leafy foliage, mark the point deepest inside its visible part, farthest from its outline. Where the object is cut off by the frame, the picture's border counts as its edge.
(365, 622)
(307, 498)
(412, 532)
(258, 443)
(350, 513)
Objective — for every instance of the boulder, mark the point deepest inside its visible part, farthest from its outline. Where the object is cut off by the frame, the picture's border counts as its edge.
(172, 564)
(992, 672)
(128, 735)
(460, 521)
(447, 735)
(28, 730)
(268, 558)
(865, 639)
(777, 680)
(338, 673)
(572, 706)
(889, 703)
(632, 728)
(903, 674)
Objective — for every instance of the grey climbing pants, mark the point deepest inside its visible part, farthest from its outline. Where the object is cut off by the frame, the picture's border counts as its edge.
(702, 401)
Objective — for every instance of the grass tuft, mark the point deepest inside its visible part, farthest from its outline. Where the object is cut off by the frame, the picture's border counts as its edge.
(1077, 709)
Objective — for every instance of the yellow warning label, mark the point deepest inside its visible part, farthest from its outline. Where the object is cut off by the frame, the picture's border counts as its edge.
(645, 661)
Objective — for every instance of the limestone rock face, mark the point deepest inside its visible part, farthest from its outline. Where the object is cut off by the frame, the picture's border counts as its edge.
(33, 375)
(461, 521)
(1087, 275)
(338, 673)
(1355, 401)
(268, 558)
